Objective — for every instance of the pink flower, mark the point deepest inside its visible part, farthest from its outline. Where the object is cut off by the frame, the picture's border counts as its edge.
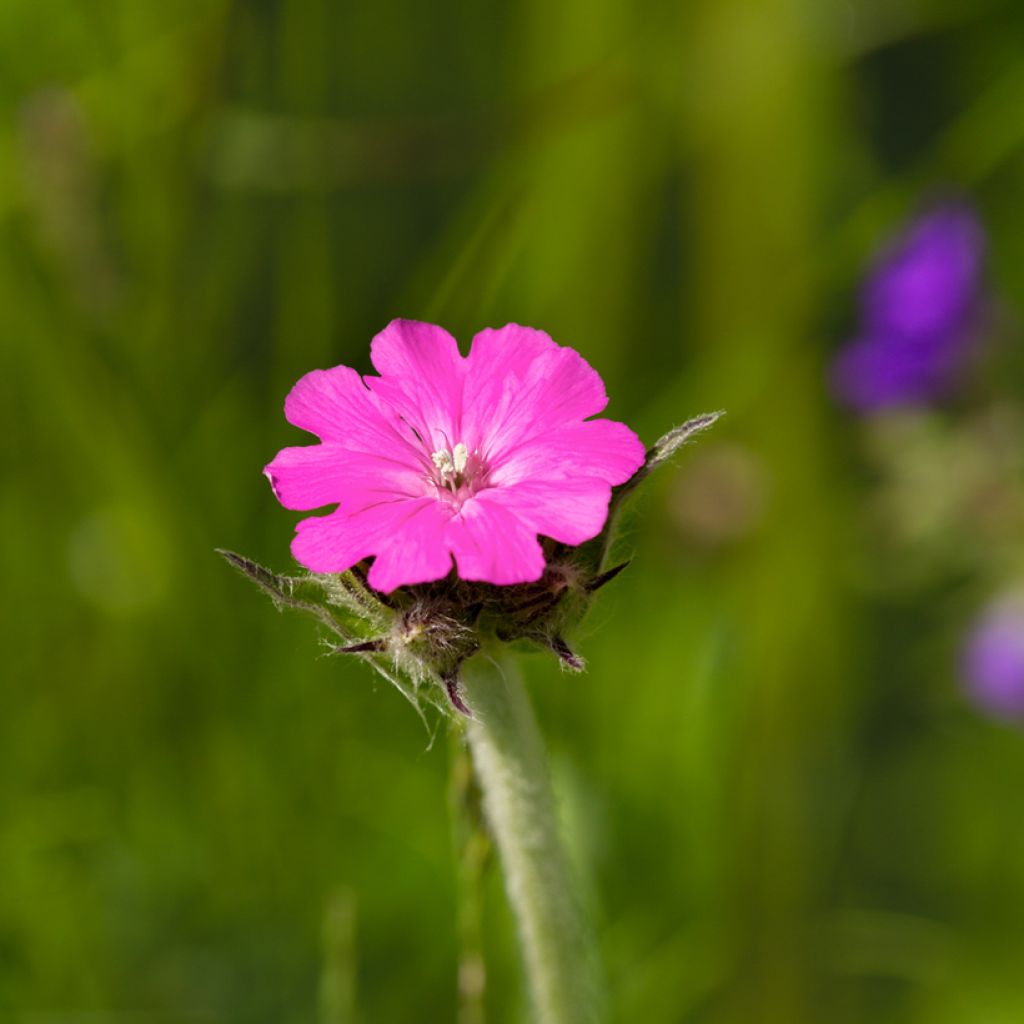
(444, 455)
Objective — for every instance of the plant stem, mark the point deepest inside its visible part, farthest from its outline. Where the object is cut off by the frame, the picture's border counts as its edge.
(472, 844)
(508, 754)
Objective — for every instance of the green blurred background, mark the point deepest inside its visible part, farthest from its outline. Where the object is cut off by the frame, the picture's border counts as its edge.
(783, 808)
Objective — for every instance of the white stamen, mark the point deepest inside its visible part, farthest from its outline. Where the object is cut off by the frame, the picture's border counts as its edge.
(452, 465)
(442, 458)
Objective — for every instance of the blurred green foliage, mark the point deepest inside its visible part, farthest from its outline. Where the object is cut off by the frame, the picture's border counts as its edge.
(783, 810)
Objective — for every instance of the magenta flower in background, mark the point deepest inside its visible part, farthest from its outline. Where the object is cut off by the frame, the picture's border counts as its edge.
(993, 662)
(921, 312)
(446, 456)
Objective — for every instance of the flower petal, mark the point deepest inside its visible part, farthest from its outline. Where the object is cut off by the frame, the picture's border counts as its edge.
(404, 534)
(421, 377)
(877, 373)
(570, 510)
(337, 406)
(323, 474)
(335, 542)
(930, 279)
(413, 550)
(521, 385)
(494, 545)
(602, 449)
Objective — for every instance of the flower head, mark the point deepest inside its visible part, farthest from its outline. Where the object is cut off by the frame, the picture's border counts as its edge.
(993, 662)
(445, 457)
(920, 313)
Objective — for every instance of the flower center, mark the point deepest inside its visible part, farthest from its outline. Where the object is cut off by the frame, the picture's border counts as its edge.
(458, 472)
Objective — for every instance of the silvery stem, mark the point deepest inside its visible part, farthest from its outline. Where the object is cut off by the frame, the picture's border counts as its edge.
(508, 755)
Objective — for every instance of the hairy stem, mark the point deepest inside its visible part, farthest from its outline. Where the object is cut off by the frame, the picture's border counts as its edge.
(472, 855)
(508, 755)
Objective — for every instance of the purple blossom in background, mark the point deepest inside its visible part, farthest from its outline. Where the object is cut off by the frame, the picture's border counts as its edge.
(993, 662)
(920, 312)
